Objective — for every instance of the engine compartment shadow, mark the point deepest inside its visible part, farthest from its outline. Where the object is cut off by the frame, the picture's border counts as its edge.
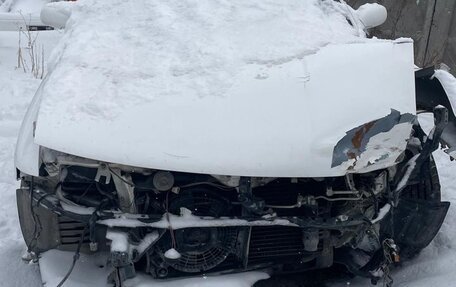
(313, 278)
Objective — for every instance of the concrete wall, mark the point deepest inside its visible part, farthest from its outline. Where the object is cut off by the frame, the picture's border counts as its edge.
(431, 24)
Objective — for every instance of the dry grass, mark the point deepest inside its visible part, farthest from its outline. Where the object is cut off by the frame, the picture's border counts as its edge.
(30, 56)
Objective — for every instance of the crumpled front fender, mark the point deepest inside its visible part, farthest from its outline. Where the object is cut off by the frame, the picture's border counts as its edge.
(434, 88)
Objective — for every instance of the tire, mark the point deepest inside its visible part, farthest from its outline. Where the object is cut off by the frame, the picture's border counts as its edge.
(420, 212)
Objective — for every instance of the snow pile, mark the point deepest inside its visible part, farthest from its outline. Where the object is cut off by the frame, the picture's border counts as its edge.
(172, 254)
(16, 90)
(120, 53)
(23, 6)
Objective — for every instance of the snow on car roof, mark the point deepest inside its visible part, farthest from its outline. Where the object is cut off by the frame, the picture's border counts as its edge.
(115, 54)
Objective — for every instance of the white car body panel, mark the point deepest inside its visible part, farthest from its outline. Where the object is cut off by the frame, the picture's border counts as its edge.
(27, 154)
(285, 125)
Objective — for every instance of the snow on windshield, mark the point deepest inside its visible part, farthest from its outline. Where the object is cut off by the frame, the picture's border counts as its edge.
(115, 54)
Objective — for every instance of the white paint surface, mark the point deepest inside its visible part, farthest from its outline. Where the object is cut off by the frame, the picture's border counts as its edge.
(218, 88)
(284, 125)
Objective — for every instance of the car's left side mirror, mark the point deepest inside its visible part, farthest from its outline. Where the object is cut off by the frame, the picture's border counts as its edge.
(372, 15)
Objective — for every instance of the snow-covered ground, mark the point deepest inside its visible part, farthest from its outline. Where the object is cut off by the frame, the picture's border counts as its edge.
(24, 6)
(16, 90)
(434, 266)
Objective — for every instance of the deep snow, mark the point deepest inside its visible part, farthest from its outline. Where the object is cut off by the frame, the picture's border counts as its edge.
(23, 6)
(16, 90)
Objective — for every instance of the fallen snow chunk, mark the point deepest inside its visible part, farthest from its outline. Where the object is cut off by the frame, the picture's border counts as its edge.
(172, 254)
(119, 241)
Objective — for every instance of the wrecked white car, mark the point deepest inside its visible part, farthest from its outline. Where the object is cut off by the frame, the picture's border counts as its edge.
(203, 136)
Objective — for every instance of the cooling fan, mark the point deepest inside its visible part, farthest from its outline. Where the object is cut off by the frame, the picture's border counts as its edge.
(201, 249)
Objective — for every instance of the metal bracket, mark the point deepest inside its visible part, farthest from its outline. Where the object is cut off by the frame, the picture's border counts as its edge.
(125, 191)
(103, 171)
(248, 201)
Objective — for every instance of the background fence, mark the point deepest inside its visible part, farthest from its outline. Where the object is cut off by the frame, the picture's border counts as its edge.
(431, 24)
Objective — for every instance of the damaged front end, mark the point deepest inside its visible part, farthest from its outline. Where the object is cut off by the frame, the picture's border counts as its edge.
(170, 224)
(385, 205)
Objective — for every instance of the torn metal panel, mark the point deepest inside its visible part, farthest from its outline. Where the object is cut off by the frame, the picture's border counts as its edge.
(358, 141)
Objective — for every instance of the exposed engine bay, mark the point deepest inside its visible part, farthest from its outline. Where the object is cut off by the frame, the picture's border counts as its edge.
(198, 223)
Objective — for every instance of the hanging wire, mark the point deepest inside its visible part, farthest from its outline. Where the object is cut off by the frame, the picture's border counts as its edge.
(75, 258)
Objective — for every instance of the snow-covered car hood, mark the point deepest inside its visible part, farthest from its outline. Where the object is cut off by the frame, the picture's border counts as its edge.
(254, 88)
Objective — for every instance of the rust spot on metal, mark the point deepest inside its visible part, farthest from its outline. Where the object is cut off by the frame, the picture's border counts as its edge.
(355, 142)
(360, 133)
